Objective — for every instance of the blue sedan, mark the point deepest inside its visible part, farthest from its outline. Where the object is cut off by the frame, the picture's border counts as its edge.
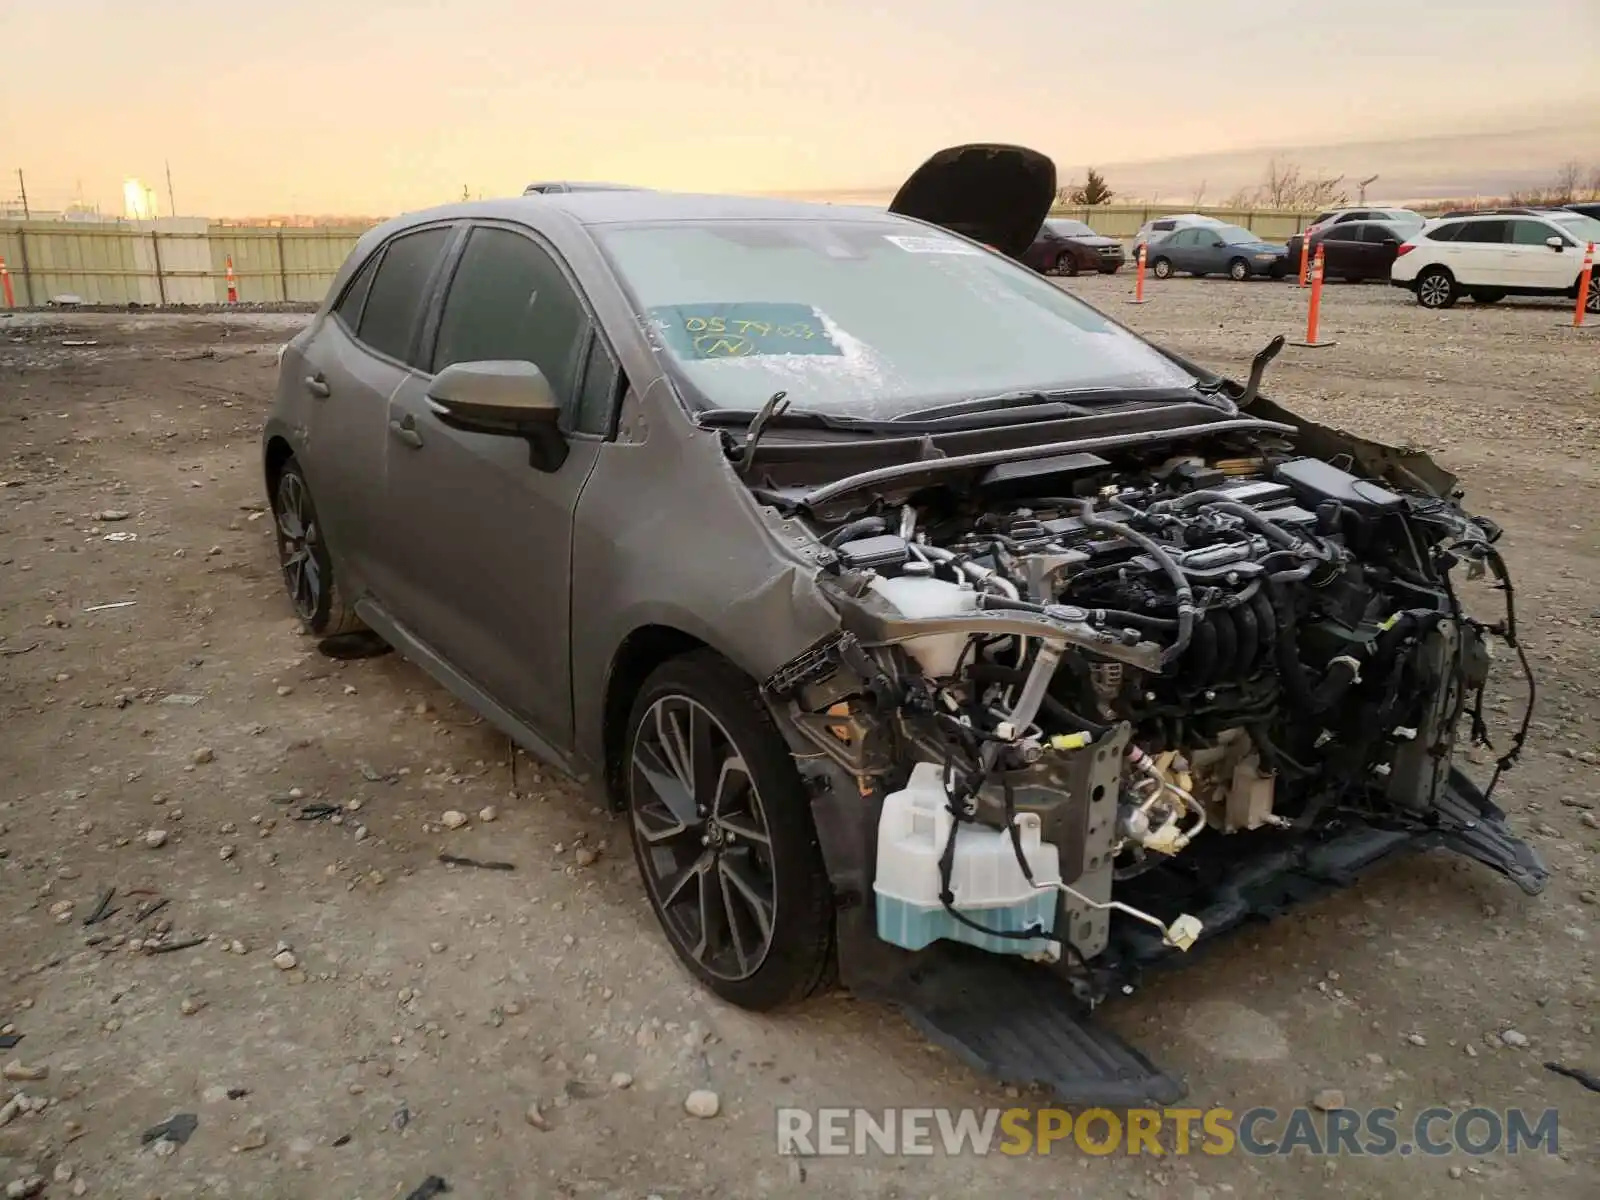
(1217, 249)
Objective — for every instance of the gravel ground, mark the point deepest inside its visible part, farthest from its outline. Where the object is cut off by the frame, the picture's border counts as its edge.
(362, 1016)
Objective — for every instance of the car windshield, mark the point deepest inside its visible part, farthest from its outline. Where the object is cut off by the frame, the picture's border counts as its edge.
(1585, 229)
(1235, 235)
(860, 318)
(1070, 228)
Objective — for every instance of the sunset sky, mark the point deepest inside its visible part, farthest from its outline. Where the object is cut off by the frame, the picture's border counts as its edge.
(375, 106)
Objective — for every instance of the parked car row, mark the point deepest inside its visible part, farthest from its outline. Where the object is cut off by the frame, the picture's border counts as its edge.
(1486, 254)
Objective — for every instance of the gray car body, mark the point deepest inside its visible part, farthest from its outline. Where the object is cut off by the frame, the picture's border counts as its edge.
(1200, 250)
(660, 547)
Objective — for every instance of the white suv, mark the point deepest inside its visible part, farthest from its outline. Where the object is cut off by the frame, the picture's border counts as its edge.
(1495, 254)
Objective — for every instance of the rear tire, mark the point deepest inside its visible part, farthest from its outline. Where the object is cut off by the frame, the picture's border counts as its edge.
(303, 557)
(1162, 268)
(1592, 303)
(1238, 270)
(1437, 289)
(1066, 265)
(1486, 296)
(725, 846)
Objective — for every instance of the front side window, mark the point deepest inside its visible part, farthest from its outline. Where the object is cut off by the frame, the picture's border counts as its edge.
(1377, 233)
(862, 317)
(1235, 235)
(1531, 233)
(389, 320)
(510, 301)
(1446, 233)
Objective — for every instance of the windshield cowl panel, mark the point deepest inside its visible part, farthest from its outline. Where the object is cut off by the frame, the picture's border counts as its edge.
(863, 319)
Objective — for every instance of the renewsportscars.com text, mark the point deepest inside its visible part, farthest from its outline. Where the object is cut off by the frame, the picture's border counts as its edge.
(1256, 1132)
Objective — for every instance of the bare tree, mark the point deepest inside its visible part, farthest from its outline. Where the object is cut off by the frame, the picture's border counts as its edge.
(1569, 176)
(1286, 186)
(1199, 196)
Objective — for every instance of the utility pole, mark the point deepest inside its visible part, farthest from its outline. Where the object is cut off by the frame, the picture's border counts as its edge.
(171, 202)
(1362, 185)
(465, 195)
(23, 184)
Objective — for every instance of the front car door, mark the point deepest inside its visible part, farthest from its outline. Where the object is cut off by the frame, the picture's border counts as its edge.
(484, 538)
(355, 360)
(1532, 263)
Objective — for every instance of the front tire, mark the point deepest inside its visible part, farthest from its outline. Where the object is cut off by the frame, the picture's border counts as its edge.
(303, 556)
(1238, 270)
(1162, 268)
(722, 833)
(1436, 288)
(1067, 265)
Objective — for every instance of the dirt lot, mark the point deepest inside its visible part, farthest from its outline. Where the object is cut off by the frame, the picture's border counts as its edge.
(421, 1009)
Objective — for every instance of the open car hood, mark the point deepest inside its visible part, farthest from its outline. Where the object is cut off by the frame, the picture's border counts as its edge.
(995, 194)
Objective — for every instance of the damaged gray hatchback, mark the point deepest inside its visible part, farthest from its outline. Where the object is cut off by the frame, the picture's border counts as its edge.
(930, 627)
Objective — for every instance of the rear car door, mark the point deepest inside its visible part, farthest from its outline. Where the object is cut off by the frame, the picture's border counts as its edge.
(1477, 255)
(353, 364)
(1379, 244)
(1532, 263)
(485, 539)
(1341, 249)
(1179, 249)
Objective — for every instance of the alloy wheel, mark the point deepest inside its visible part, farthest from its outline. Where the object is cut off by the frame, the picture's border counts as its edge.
(298, 541)
(1434, 291)
(1239, 271)
(706, 851)
(1592, 303)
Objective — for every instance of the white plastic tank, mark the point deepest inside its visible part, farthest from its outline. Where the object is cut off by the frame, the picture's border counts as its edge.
(985, 878)
(918, 596)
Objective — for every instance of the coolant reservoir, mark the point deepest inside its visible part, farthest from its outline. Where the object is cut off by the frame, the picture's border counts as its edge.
(937, 654)
(985, 878)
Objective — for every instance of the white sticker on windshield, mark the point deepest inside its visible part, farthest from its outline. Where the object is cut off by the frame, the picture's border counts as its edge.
(931, 245)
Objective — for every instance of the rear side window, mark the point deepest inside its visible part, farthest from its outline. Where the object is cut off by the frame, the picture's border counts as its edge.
(355, 296)
(1480, 232)
(1163, 226)
(390, 318)
(1346, 231)
(1445, 233)
(510, 300)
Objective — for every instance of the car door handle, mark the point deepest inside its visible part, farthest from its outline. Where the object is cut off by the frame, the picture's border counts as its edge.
(406, 433)
(318, 386)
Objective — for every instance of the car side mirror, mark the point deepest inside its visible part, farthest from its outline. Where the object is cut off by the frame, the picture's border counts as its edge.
(503, 399)
(1555, 244)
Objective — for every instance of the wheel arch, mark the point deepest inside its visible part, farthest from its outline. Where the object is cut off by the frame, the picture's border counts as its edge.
(638, 655)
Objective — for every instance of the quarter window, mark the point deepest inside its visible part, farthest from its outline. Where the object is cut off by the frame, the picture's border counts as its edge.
(389, 320)
(509, 300)
(355, 296)
(598, 394)
(1446, 233)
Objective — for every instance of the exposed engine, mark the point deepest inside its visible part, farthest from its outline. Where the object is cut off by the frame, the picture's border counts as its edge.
(1147, 659)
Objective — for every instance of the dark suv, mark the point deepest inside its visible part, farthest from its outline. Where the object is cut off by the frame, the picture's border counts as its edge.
(1064, 247)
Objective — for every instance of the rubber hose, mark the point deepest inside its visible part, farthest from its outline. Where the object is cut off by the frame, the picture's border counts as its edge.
(1225, 503)
(862, 527)
(1245, 619)
(1227, 644)
(1186, 609)
(1201, 661)
(1290, 669)
(1342, 672)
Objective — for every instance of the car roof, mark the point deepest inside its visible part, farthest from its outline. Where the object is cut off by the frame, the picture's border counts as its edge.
(638, 206)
